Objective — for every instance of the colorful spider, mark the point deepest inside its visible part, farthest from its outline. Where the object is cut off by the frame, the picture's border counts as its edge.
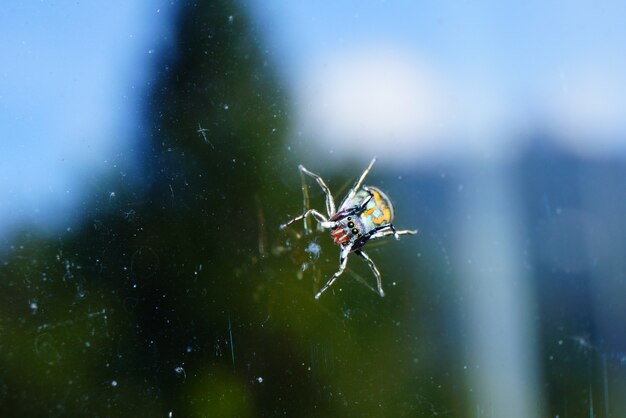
(365, 214)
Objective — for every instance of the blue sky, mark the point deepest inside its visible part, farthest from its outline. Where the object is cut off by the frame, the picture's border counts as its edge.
(517, 40)
(72, 80)
(499, 69)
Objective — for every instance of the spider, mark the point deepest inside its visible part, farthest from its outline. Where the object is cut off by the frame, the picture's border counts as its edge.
(365, 214)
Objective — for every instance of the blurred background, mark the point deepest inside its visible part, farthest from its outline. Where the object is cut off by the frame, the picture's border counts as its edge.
(149, 151)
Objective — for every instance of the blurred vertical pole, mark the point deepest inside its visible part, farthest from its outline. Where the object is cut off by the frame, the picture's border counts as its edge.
(604, 204)
(496, 303)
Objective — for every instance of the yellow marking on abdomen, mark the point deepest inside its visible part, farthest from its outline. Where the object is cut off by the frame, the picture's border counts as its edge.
(385, 217)
(378, 204)
(373, 208)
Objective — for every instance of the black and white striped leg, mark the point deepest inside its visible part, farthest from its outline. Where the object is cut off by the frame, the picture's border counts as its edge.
(305, 203)
(356, 209)
(330, 202)
(390, 230)
(359, 181)
(325, 223)
(374, 270)
(343, 260)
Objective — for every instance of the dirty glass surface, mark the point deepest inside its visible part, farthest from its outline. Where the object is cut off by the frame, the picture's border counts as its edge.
(150, 152)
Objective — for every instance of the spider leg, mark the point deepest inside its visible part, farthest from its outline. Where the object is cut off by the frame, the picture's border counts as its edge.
(356, 209)
(407, 232)
(374, 270)
(359, 181)
(330, 202)
(305, 203)
(389, 229)
(321, 219)
(343, 260)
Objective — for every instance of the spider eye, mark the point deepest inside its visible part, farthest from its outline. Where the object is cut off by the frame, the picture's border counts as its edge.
(349, 218)
(355, 231)
(350, 224)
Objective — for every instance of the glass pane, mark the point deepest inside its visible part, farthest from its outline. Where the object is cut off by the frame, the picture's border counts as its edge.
(153, 156)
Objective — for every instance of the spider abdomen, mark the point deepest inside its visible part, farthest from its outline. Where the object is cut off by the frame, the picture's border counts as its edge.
(378, 212)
